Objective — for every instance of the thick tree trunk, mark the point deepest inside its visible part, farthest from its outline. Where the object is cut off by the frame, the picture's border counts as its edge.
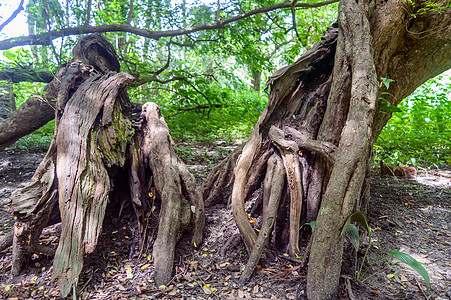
(104, 148)
(322, 119)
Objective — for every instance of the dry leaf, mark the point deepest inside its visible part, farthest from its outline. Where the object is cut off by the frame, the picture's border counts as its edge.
(255, 289)
(144, 267)
(207, 289)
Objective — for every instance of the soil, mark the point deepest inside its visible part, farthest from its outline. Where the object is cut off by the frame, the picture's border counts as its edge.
(412, 216)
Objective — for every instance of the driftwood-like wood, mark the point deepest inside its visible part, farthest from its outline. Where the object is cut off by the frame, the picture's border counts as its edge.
(180, 199)
(102, 145)
(273, 185)
(289, 152)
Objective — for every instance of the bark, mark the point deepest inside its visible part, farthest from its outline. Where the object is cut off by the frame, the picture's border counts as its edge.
(105, 150)
(354, 54)
(177, 187)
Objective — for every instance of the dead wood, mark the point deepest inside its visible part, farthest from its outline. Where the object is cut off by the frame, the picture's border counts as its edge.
(289, 152)
(104, 148)
(176, 186)
(273, 185)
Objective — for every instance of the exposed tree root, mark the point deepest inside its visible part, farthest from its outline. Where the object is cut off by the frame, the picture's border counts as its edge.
(179, 196)
(221, 178)
(273, 185)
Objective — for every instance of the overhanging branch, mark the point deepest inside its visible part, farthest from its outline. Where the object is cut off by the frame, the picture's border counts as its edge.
(46, 38)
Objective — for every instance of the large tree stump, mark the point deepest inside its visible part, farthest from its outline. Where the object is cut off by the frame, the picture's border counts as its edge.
(103, 145)
(322, 118)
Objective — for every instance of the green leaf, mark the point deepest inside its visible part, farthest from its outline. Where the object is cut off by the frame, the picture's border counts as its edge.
(386, 82)
(391, 108)
(414, 264)
(353, 234)
(311, 224)
(357, 217)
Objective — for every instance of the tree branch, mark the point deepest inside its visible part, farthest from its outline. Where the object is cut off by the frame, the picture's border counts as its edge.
(17, 75)
(45, 38)
(14, 14)
(130, 12)
(200, 106)
(88, 12)
(325, 149)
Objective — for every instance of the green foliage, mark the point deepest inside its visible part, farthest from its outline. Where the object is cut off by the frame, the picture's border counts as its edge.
(38, 141)
(421, 133)
(311, 224)
(420, 8)
(25, 90)
(414, 264)
(351, 231)
(232, 122)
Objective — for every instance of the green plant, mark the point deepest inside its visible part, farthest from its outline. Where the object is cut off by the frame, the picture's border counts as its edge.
(352, 232)
(38, 140)
(419, 135)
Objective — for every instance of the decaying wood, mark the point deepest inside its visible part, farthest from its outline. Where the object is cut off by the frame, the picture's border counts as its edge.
(289, 152)
(82, 168)
(35, 207)
(101, 141)
(176, 186)
(273, 185)
(221, 178)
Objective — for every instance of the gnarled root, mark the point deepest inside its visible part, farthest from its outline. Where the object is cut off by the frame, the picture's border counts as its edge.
(273, 185)
(177, 189)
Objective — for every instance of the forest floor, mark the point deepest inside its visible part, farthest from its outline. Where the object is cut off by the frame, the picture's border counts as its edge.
(412, 216)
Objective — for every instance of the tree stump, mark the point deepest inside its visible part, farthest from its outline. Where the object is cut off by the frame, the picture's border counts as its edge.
(102, 145)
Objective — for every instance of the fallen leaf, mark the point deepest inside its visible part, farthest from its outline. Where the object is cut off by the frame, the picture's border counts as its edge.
(144, 267)
(207, 289)
(241, 294)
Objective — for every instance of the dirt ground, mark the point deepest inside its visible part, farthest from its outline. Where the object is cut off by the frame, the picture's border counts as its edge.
(412, 216)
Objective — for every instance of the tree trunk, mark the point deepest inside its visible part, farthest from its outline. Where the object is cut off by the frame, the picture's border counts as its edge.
(104, 148)
(322, 119)
(7, 100)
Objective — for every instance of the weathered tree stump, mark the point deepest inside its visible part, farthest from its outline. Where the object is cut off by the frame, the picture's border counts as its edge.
(101, 141)
(322, 118)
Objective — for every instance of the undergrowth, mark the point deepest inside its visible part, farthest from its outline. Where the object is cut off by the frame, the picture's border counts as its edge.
(420, 135)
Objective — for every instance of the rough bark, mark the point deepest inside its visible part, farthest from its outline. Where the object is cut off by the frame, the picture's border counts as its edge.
(354, 54)
(179, 196)
(103, 145)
